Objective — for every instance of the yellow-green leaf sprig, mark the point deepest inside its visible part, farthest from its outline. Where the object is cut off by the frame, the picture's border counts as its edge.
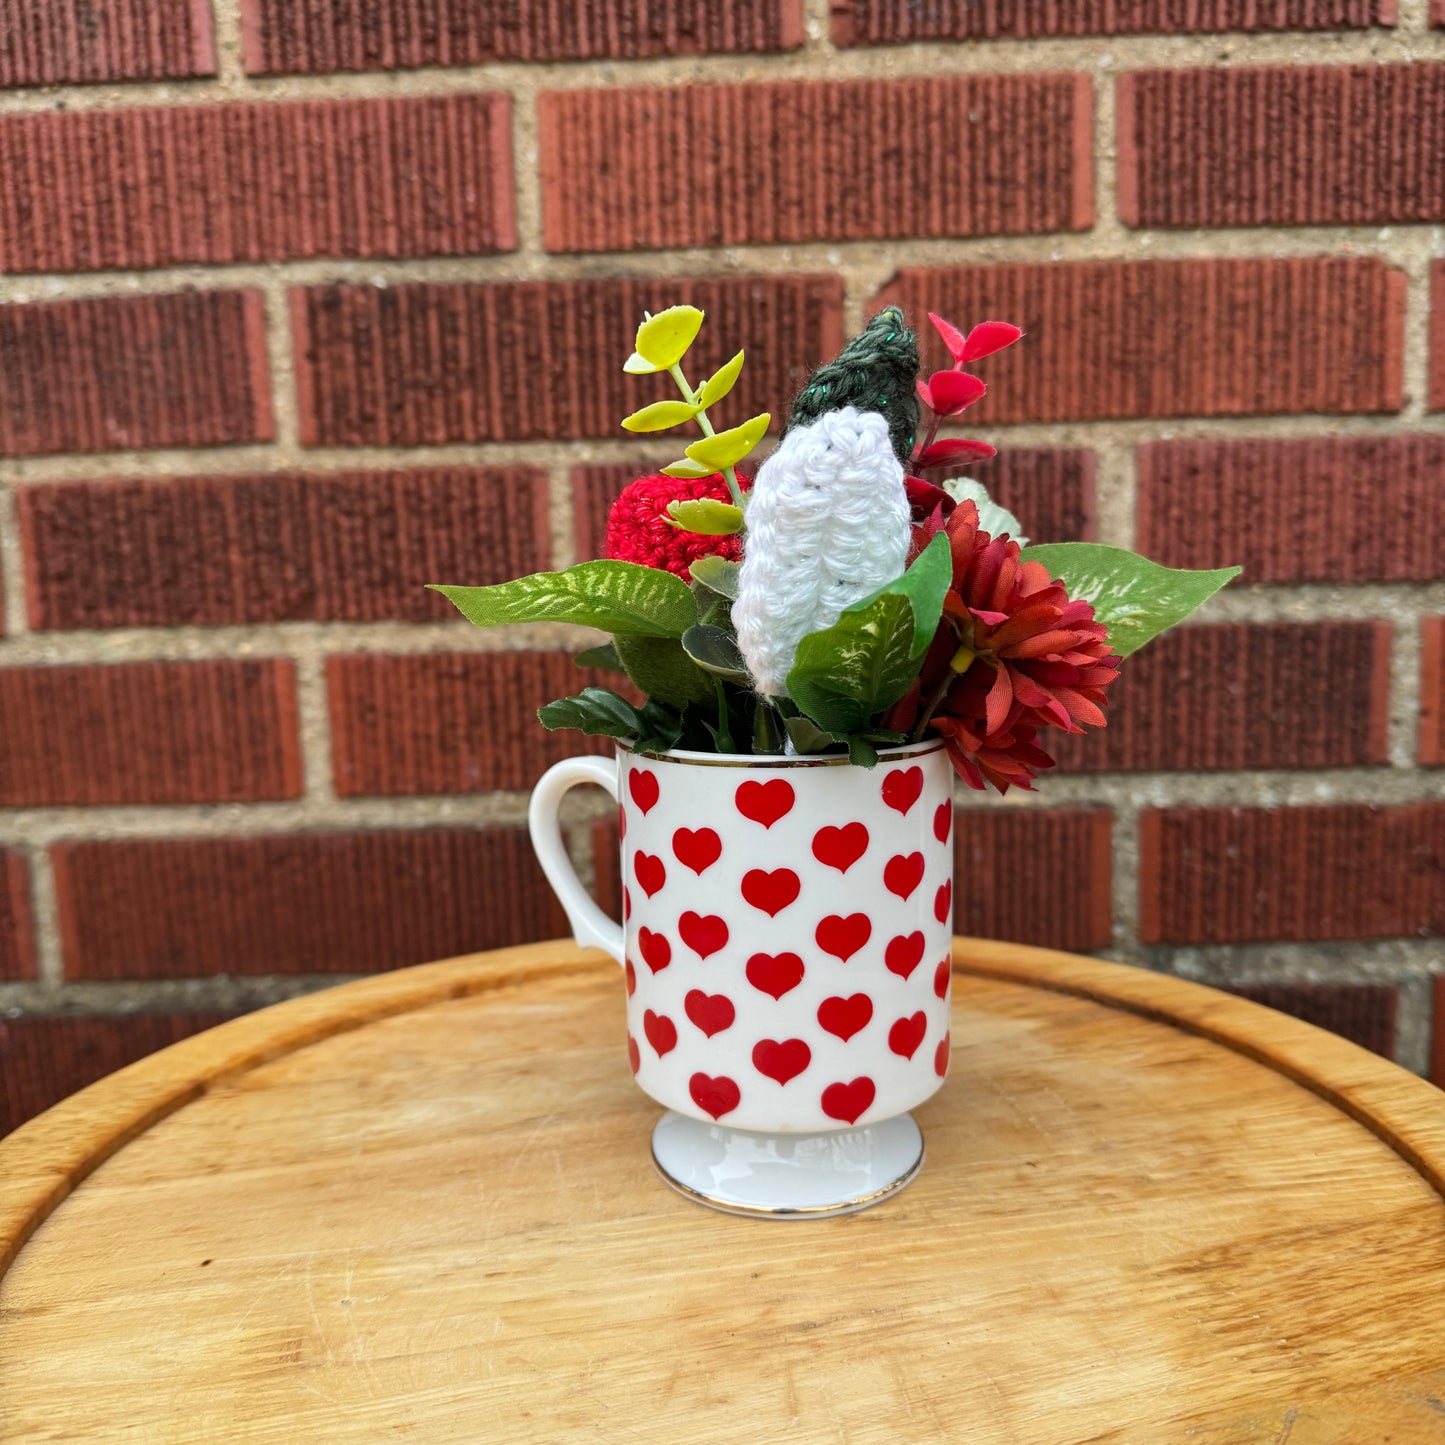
(662, 342)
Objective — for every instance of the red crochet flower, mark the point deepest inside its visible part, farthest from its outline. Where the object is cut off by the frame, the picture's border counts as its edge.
(1013, 654)
(638, 529)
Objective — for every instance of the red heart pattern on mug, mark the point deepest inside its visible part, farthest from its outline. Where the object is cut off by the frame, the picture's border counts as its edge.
(704, 933)
(661, 1032)
(766, 802)
(775, 974)
(843, 937)
(650, 872)
(902, 787)
(941, 976)
(711, 1012)
(849, 1102)
(656, 951)
(717, 1096)
(697, 849)
(840, 848)
(781, 1060)
(906, 1034)
(904, 953)
(644, 788)
(844, 1017)
(901, 875)
(770, 893)
(842, 999)
(621, 822)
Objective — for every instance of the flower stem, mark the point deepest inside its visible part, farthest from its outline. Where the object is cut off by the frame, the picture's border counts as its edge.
(935, 700)
(690, 397)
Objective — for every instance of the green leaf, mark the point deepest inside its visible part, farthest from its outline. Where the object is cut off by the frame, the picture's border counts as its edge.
(1136, 599)
(807, 737)
(662, 340)
(604, 655)
(595, 711)
(716, 649)
(862, 664)
(618, 597)
(727, 448)
(660, 667)
(691, 471)
(718, 575)
(707, 517)
(767, 735)
(924, 584)
(659, 728)
(720, 382)
(659, 416)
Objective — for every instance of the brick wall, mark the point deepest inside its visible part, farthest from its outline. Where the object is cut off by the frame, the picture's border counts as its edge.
(306, 303)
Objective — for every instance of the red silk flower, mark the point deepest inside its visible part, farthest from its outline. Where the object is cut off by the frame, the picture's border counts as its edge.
(1013, 654)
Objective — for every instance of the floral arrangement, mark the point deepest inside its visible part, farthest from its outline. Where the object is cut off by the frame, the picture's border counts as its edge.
(854, 593)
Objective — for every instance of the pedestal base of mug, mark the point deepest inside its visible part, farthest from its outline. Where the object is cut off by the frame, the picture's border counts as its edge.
(787, 1176)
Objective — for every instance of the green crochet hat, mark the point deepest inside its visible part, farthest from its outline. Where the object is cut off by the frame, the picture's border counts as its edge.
(876, 371)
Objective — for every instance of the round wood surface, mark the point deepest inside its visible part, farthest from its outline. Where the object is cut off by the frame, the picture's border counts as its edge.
(422, 1207)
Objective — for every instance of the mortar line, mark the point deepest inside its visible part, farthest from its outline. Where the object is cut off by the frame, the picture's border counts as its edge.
(280, 363)
(231, 79)
(13, 621)
(1124, 881)
(1404, 690)
(49, 956)
(562, 516)
(314, 724)
(1413, 1023)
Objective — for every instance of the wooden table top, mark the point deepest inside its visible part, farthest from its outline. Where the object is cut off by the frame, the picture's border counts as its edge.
(421, 1206)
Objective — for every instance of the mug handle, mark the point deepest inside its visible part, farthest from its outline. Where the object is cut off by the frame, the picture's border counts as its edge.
(591, 927)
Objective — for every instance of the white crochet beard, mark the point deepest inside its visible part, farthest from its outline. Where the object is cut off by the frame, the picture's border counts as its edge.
(828, 522)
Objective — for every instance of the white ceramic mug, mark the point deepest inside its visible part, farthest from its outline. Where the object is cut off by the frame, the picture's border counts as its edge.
(787, 940)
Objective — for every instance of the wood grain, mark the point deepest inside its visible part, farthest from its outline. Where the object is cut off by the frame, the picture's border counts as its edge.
(422, 1205)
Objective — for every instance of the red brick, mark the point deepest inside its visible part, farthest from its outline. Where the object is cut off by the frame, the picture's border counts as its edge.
(17, 923)
(1002, 853)
(44, 1059)
(218, 731)
(1264, 147)
(315, 903)
(99, 189)
(900, 22)
(1260, 875)
(1364, 1013)
(449, 722)
(1431, 749)
(1437, 331)
(1308, 509)
(62, 42)
(1240, 695)
(517, 361)
(117, 372)
(965, 156)
(1216, 337)
(317, 547)
(317, 36)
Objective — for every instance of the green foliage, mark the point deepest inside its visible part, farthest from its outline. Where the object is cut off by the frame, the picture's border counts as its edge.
(718, 575)
(661, 669)
(716, 649)
(924, 584)
(707, 517)
(727, 448)
(847, 673)
(659, 416)
(600, 713)
(618, 597)
(663, 340)
(720, 382)
(1136, 599)
(604, 656)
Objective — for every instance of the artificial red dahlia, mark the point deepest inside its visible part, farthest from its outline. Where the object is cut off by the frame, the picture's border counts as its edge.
(1012, 654)
(639, 530)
